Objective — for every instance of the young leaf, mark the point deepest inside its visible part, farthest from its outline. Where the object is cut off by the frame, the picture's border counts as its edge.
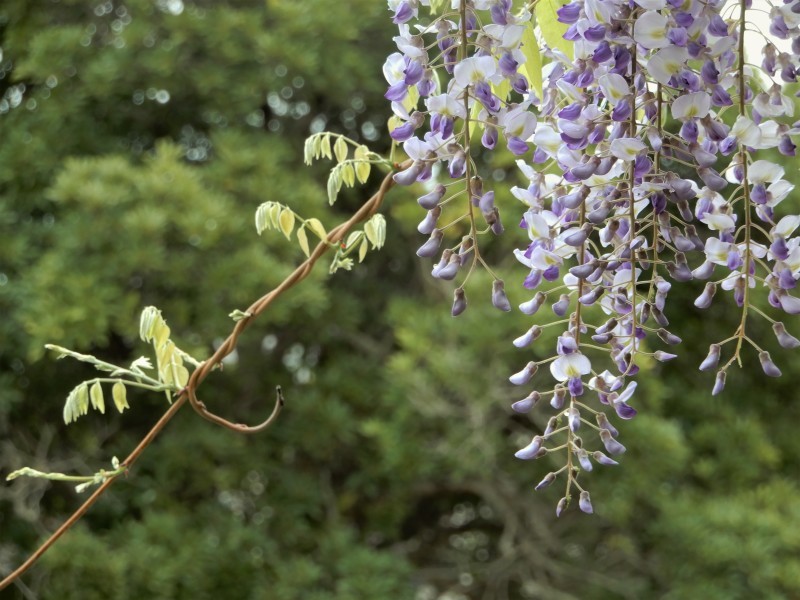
(532, 68)
(262, 214)
(362, 250)
(334, 183)
(287, 223)
(82, 395)
(353, 239)
(308, 150)
(552, 30)
(348, 175)
(96, 396)
(362, 165)
(302, 239)
(325, 145)
(120, 395)
(317, 228)
(340, 149)
(275, 214)
(375, 230)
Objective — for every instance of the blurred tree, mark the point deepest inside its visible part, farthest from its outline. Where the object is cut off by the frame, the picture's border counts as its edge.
(137, 140)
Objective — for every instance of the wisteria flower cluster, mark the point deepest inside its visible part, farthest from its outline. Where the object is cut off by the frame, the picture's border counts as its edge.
(640, 139)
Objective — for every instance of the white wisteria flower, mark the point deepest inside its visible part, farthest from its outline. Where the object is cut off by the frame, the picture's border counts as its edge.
(650, 30)
(569, 366)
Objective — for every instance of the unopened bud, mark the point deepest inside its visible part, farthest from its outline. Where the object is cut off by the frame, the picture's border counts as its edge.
(428, 224)
(785, 339)
(667, 337)
(548, 479)
(712, 359)
(528, 337)
(612, 445)
(432, 198)
(459, 302)
(562, 505)
(769, 367)
(585, 503)
(530, 451)
(560, 308)
(602, 459)
(532, 305)
(527, 403)
(525, 375)
(719, 383)
(499, 298)
(431, 247)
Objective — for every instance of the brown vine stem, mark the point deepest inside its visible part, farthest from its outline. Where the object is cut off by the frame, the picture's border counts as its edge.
(199, 374)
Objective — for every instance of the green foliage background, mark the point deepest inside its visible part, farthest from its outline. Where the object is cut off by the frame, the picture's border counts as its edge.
(136, 141)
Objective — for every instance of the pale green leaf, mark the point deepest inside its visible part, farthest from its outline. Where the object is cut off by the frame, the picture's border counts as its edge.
(287, 223)
(353, 239)
(308, 150)
(532, 68)
(96, 396)
(120, 395)
(552, 30)
(317, 228)
(325, 145)
(363, 168)
(375, 230)
(262, 216)
(302, 239)
(334, 184)
(275, 214)
(340, 149)
(362, 250)
(348, 175)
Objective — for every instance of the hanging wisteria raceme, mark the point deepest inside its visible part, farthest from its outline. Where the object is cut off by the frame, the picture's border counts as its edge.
(641, 149)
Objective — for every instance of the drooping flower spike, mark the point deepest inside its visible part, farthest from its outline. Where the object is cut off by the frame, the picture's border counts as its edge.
(631, 94)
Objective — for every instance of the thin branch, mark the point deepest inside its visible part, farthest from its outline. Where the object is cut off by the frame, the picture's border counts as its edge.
(198, 375)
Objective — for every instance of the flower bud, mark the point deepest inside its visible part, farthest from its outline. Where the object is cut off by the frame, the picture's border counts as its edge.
(662, 356)
(431, 247)
(612, 445)
(548, 479)
(428, 224)
(602, 459)
(527, 403)
(408, 176)
(711, 361)
(459, 302)
(499, 298)
(609, 325)
(704, 271)
(574, 418)
(532, 305)
(528, 337)
(431, 199)
(704, 299)
(562, 504)
(719, 383)
(530, 451)
(583, 458)
(560, 308)
(585, 503)
(525, 375)
(559, 395)
(604, 423)
(785, 339)
(667, 337)
(584, 270)
(769, 367)
(449, 269)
